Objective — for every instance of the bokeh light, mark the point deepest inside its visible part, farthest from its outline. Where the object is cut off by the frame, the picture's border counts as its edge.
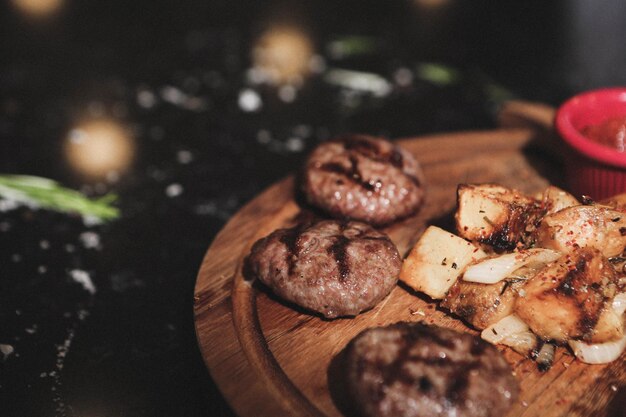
(431, 4)
(283, 54)
(38, 8)
(99, 148)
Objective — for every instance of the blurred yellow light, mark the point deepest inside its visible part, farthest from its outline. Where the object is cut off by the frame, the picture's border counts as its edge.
(99, 147)
(38, 8)
(283, 54)
(432, 4)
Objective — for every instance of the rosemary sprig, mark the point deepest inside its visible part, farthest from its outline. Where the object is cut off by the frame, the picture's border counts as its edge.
(38, 192)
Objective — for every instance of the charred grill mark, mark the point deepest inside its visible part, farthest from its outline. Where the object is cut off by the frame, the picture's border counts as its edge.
(588, 322)
(420, 331)
(622, 231)
(478, 347)
(500, 239)
(339, 251)
(291, 239)
(516, 229)
(535, 352)
(456, 390)
(352, 173)
(568, 285)
(465, 311)
(396, 159)
(361, 145)
(424, 384)
(375, 238)
(396, 370)
(372, 151)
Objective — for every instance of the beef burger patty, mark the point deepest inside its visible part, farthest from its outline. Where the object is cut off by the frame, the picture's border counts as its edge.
(416, 370)
(336, 268)
(364, 178)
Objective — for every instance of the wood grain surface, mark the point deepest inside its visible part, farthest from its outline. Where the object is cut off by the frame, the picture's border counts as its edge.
(270, 358)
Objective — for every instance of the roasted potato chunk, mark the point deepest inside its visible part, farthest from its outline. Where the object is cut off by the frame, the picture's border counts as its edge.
(481, 305)
(566, 299)
(581, 226)
(617, 202)
(495, 215)
(554, 199)
(436, 261)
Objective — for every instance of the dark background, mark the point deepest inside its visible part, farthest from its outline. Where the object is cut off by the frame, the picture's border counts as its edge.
(176, 75)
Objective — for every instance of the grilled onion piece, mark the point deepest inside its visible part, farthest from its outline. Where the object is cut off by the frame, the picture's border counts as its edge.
(492, 270)
(598, 352)
(513, 332)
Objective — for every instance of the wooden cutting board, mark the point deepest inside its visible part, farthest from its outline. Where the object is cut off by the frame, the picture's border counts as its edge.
(271, 359)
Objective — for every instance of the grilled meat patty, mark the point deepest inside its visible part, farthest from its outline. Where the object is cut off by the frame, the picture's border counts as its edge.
(363, 178)
(336, 268)
(415, 370)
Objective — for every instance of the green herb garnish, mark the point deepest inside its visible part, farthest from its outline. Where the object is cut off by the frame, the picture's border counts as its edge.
(38, 192)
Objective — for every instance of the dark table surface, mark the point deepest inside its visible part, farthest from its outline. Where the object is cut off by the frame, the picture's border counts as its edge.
(206, 103)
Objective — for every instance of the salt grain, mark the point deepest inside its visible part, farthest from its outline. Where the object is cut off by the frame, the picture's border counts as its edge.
(403, 77)
(90, 240)
(287, 93)
(184, 157)
(6, 350)
(173, 95)
(249, 100)
(83, 278)
(146, 99)
(174, 190)
(294, 144)
(263, 136)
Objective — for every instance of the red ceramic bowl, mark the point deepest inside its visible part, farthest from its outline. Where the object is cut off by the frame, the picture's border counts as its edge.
(594, 170)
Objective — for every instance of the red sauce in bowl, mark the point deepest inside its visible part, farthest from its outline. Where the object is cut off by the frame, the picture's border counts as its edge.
(611, 133)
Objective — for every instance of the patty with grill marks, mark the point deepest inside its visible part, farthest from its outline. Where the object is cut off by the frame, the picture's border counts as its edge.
(336, 268)
(363, 178)
(417, 370)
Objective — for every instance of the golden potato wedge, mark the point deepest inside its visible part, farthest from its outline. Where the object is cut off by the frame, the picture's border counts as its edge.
(581, 226)
(436, 261)
(482, 305)
(554, 199)
(567, 298)
(494, 215)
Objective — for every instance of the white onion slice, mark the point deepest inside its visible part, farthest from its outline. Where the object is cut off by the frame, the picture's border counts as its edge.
(513, 332)
(602, 352)
(619, 303)
(492, 270)
(598, 352)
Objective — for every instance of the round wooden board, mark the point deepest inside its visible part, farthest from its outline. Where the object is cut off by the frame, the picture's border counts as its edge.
(271, 359)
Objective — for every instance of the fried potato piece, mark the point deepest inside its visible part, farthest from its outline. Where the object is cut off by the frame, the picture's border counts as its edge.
(495, 215)
(617, 202)
(554, 199)
(436, 261)
(482, 305)
(567, 298)
(582, 226)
